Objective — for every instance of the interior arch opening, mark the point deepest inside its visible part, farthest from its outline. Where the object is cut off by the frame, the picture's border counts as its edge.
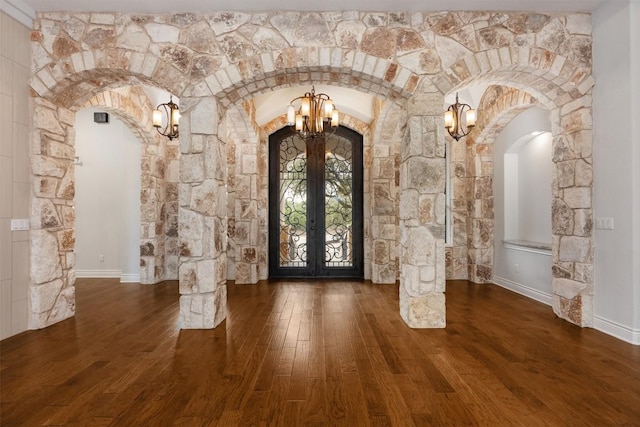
(523, 205)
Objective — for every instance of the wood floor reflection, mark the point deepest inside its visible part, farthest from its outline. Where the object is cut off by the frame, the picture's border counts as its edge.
(315, 353)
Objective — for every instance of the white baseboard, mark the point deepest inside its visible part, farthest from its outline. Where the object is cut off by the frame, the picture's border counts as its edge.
(521, 289)
(624, 333)
(130, 278)
(616, 330)
(89, 274)
(117, 274)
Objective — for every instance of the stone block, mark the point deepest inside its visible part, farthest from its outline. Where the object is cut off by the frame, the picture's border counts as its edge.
(575, 249)
(206, 276)
(426, 175)
(45, 261)
(385, 273)
(42, 297)
(44, 214)
(190, 230)
(427, 311)
(409, 204)
(383, 201)
(578, 197)
(204, 117)
(191, 168)
(203, 197)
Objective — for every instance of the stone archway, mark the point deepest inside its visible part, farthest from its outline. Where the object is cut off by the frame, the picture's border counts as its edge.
(54, 301)
(471, 254)
(562, 87)
(52, 292)
(159, 157)
(278, 123)
(412, 59)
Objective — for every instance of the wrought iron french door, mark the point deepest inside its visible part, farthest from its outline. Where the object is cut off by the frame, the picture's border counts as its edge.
(315, 205)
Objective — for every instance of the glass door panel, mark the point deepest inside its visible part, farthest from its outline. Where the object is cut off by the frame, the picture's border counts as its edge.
(315, 205)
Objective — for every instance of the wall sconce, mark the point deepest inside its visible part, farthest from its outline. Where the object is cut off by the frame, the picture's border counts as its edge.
(166, 118)
(453, 122)
(316, 114)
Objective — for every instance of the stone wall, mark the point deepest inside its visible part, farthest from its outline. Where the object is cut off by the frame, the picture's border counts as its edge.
(382, 160)
(217, 62)
(130, 105)
(247, 208)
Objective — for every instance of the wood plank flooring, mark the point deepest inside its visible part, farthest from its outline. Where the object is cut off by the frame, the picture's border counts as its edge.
(316, 353)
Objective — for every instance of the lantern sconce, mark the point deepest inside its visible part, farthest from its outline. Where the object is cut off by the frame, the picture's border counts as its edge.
(453, 122)
(166, 118)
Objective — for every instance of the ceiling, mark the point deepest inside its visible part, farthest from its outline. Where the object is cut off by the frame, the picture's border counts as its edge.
(160, 6)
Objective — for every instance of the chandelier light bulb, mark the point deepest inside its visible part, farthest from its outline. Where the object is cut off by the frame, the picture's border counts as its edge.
(314, 115)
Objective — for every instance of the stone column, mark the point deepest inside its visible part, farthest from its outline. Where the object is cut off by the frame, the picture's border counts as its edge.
(383, 213)
(202, 216)
(458, 253)
(422, 215)
(246, 230)
(52, 291)
(480, 221)
(572, 212)
(153, 195)
(172, 250)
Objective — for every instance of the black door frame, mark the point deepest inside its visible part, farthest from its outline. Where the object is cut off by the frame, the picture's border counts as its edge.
(316, 209)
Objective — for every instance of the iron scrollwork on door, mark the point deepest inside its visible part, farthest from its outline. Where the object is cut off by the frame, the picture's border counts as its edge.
(315, 205)
(293, 203)
(338, 187)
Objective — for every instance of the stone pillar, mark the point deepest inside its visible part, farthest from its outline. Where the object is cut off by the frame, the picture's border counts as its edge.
(458, 253)
(572, 212)
(480, 222)
(202, 216)
(170, 211)
(246, 229)
(51, 290)
(384, 213)
(263, 206)
(153, 195)
(422, 215)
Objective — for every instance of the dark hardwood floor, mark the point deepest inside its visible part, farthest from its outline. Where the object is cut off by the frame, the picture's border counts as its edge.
(315, 354)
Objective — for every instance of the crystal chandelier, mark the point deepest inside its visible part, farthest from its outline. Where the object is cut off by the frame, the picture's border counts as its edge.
(312, 114)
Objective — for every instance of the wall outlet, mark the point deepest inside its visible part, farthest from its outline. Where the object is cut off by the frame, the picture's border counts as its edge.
(517, 267)
(101, 258)
(604, 223)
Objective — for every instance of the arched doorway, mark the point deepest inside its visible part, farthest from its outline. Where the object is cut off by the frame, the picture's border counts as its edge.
(316, 205)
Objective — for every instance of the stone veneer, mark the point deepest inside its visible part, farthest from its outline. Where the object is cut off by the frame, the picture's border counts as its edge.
(216, 63)
(247, 202)
(470, 256)
(54, 217)
(159, 183)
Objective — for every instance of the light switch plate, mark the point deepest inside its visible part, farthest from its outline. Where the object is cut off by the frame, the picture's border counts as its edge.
(604, 223)
(19, 224)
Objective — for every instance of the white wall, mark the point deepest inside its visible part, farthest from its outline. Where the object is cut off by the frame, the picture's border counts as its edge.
(616, 168)
(522, 269)
(534, 192)
(527, 192)
(107, 200)
(15, 174)
(634, 18)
